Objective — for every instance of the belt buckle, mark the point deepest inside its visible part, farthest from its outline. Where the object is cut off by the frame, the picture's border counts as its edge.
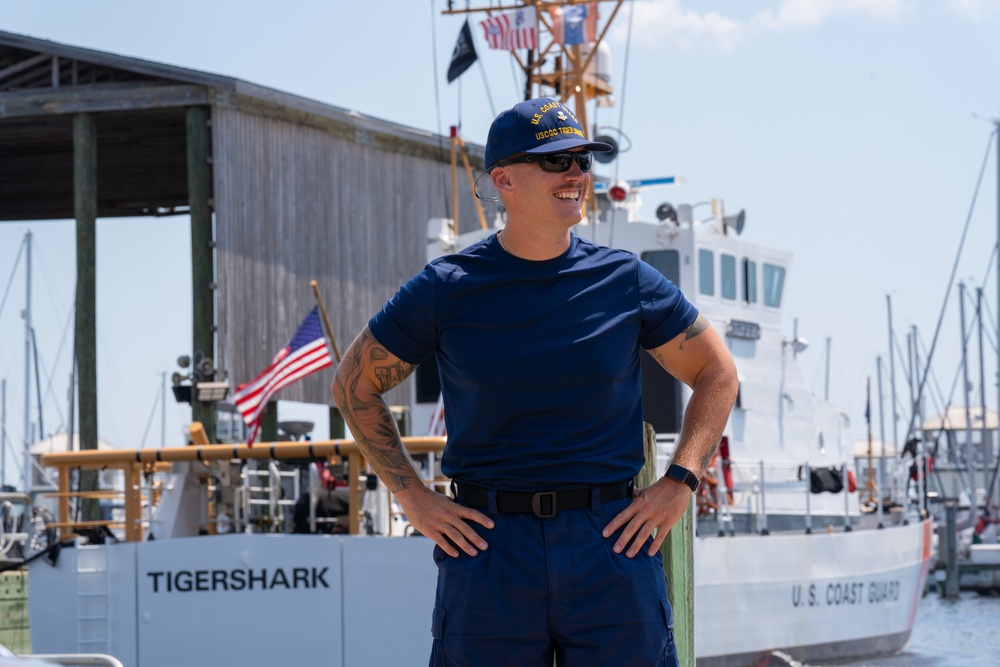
(536, 504)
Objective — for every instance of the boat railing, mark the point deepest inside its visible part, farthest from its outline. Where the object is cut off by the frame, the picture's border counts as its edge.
(258, 494)
(139, 466)
(761, 491)
(82, 659)
(15, 514)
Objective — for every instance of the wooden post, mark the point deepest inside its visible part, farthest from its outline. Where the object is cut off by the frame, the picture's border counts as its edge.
(198, 435)
(63, 502)
(133, 502)
(337, 427)
(199, 152)
(269, 423)
(354, 493)
(325, 319)
(678, 561)
(950, 589)
(85, 330)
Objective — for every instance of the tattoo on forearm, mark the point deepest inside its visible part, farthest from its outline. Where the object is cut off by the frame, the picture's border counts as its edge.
(706, 458)
(367, 413)
(699, 325)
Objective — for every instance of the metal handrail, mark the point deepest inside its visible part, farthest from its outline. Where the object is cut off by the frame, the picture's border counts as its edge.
(99, 659)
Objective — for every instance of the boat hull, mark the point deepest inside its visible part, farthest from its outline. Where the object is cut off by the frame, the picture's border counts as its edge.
(356, 601)
(820, 597)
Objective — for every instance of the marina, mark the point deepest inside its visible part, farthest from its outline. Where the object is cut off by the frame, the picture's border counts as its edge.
(805, 546)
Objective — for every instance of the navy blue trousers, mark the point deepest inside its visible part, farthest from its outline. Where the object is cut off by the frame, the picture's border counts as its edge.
(552, 587)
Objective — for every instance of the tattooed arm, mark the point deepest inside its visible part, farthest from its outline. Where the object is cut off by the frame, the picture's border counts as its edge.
(697, 357)
(367, 371)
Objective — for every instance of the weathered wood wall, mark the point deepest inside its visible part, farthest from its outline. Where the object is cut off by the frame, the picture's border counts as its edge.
(298, 201)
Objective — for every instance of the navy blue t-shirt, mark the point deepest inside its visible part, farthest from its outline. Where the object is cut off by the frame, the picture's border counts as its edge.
(539, 360)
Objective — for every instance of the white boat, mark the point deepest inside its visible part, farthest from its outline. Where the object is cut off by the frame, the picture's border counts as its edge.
(764, 585)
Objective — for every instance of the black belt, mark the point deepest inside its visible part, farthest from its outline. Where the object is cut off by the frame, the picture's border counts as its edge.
(543, 504)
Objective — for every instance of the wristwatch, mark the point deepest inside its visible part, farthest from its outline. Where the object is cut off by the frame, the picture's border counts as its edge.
(679, 473)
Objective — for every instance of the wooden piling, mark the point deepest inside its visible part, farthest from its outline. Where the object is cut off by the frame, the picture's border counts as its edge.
(199, 152)
(678, 562)
(950, 589)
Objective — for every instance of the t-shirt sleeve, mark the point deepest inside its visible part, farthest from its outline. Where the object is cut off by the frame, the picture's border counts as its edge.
(665, 311)
(406, 325)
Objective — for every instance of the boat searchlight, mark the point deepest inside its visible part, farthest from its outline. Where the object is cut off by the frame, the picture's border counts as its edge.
(618, 192)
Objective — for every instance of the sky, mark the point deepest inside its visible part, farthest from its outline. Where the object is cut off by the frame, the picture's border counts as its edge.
(853, 133)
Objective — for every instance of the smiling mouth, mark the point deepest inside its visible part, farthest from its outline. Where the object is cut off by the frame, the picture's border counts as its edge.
(571, 195)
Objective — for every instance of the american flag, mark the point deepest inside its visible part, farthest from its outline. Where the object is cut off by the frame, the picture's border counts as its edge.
(306, 353)
(513, 30)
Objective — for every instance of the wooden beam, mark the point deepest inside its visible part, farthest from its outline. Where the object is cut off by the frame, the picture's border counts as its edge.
(23, 65)
(199, 154)
(93, 99)
(85, 211)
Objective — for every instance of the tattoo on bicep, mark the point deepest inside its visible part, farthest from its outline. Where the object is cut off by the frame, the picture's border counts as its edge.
(699, 325)
(391, 375)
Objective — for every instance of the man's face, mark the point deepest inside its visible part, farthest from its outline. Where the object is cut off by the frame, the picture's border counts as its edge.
(545, 195)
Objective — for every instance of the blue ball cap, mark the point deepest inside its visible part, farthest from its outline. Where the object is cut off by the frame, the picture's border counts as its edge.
(537, 126)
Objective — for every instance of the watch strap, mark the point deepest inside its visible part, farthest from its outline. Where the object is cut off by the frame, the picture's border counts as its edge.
(679, 473)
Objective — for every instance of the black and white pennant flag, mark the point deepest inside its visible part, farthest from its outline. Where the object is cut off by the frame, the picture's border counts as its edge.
(463, 55)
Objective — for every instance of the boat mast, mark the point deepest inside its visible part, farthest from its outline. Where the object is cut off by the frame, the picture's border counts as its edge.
(984, 432)
(3, 432)
(567, 79)
(996, 134)
(881, 427)
(826, 384)
(969, 452)
(892, 376)
(27, 365)
(163, 409)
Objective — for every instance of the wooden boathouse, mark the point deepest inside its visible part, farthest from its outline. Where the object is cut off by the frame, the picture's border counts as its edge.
(280, 190)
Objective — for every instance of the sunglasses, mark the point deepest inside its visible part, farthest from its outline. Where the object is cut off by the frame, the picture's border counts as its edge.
(556, 162)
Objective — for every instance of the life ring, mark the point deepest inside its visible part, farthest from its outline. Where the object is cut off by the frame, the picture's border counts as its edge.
(727, 468)
(707, 498)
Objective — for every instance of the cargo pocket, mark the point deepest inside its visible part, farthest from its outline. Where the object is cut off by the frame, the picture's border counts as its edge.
(670, 649)
(438, 657)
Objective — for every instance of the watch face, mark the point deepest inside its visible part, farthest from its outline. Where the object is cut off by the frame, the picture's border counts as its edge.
(679, 473)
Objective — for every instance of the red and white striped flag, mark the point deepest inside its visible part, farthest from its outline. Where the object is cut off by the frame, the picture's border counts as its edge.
(511, 30)
(305, 353)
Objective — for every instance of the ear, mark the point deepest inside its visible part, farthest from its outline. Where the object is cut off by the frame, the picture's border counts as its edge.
(501, 178)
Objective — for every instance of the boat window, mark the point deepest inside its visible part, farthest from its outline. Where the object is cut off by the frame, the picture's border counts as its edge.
(706, 272)
(727, 264)
(667, 262)
(749, 281)
(774, 280)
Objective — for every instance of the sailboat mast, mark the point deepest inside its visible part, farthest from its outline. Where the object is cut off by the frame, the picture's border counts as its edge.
(984, 433)
(3, 432)
(27, 365)
(996, 134)
(969, 451)
(892, 376)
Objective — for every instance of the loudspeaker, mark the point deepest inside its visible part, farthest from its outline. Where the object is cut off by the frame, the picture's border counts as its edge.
(609, 156)
(735, 222)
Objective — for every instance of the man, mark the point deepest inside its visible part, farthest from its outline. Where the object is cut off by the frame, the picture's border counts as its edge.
(547, 549)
